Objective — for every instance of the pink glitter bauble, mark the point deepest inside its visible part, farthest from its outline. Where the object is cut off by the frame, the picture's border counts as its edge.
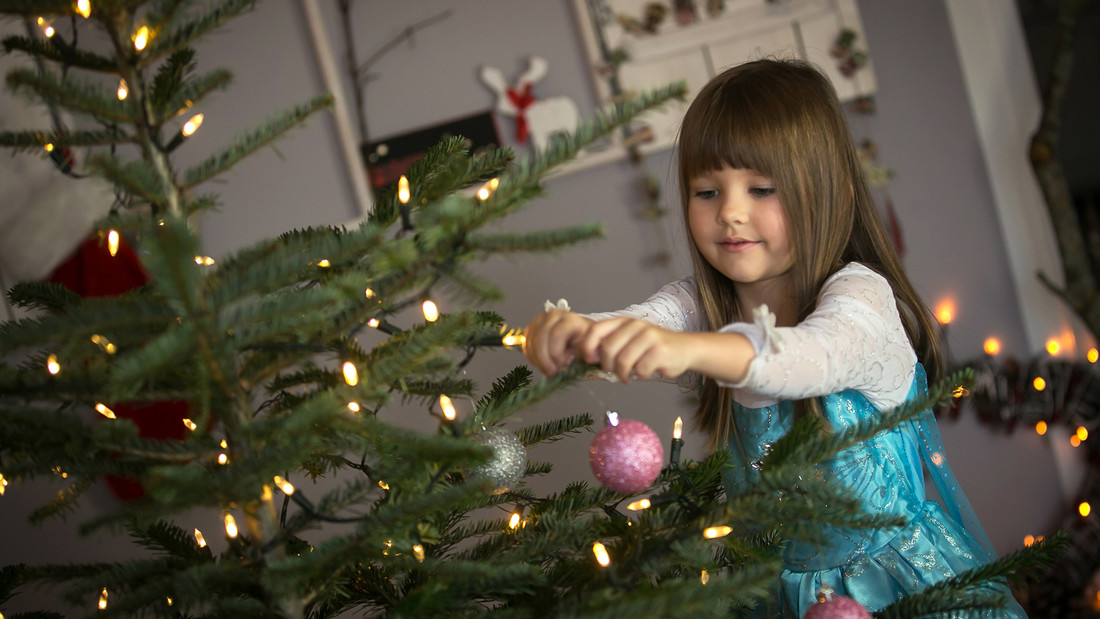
(837, 607)
(626, 457)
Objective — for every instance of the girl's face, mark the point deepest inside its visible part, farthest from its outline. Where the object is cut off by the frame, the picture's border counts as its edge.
(739, 226)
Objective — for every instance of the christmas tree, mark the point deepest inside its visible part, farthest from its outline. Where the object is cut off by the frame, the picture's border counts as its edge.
(285, 353)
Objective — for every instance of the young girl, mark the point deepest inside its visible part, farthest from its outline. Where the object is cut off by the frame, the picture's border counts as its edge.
(798, 305)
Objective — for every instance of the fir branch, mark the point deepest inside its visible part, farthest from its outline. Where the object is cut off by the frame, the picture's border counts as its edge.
(541, 240)
(249, 143)
(184, 34)
(138, 178)
(496, 410)
(980, 589)
(554, 430)
(470, 287)
(518, 378)
(807, 443)
(63, 503)
(184, 95)
(177, 279)
(169, 540)
(32, 8)
(42, 295)
(35, 140)
(170, 77)
(46, 50)
(73, 94)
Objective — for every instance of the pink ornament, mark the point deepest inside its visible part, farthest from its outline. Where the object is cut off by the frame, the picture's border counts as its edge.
(832, 606)
(626, 455)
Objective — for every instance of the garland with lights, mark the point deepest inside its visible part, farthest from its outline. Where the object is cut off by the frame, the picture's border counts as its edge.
(1046, 390)
(1009, 395)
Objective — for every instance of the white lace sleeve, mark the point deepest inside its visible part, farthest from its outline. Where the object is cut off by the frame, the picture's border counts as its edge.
(673, 307)
(854, 339)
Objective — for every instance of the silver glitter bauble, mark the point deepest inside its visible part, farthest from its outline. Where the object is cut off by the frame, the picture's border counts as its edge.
(507, 464)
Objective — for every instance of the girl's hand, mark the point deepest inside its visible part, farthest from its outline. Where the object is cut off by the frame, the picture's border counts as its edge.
(631, 348)
(552, 339)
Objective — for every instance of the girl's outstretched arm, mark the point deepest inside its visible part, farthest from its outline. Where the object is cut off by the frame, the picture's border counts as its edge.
(632, 348)
(552, 338)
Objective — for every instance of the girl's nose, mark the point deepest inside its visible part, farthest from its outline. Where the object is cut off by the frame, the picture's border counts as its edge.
(732, 211)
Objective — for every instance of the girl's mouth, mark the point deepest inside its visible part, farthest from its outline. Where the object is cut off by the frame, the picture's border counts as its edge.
(737, 245)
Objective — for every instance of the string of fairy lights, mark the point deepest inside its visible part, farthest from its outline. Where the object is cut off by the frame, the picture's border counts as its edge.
(1040, 378)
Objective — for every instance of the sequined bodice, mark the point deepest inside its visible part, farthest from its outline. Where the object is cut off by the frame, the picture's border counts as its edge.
(884, 473)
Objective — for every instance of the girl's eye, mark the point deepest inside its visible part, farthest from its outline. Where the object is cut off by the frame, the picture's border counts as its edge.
(706, 194)
(762, 192)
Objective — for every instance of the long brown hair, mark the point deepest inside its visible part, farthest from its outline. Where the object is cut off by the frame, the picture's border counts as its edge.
(782, 119)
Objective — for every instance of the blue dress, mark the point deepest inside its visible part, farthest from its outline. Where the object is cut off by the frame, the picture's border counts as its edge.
(875, 568)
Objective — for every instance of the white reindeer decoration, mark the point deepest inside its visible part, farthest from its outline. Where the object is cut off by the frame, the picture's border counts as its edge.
(541, 119)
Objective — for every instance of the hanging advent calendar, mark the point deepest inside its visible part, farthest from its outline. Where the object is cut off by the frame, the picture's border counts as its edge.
(636, 45)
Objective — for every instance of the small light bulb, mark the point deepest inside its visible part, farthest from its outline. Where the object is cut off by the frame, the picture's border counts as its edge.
(383, 485)
(324, 263)
(483, 193)
(52, 366)
(1082, 432)
(199, 539)
(169, 600)
(677, 428)
(514, 338)
(960, 392)
(190, 425)
(418, 552)
(123, 91)
(191, 126)
(103, 599)
(1041, 428)
(112, 242)
(431, 312)
(373, 323)
(1084, 508)
(493, 183)
(368, 292)
(284, 485)
(602, 557)
(231, 525)
(103, 410)
(353, 407)
(716, 532)
(3, 484)
(1039, 383)
(84, 7)
(403, 193)
(992, 346)
(1029, 540)
(141, 38)
(223, 459)
(48, 30)
(945, 312)
(639, 505)
(104, 344)
(448, 407)
(513, 522)
(1053, 347)
(351, 375)
(704, 577)
(1093, 355)
(49, 147)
